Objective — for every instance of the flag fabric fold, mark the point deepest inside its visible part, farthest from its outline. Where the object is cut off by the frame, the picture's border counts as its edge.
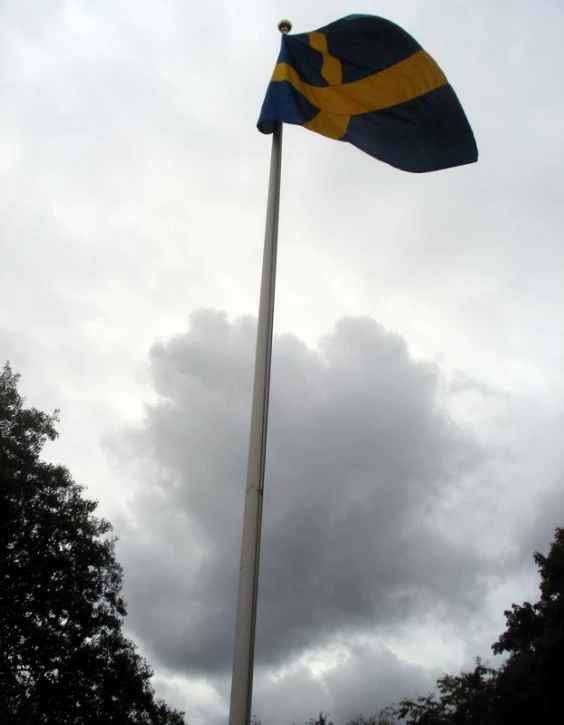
(366, 81)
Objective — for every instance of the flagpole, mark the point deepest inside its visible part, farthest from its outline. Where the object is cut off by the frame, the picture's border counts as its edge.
(245, 626)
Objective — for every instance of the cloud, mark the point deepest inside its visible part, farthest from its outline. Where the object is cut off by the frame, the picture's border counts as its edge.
(343, 679)
(361, 457)
(362, 679)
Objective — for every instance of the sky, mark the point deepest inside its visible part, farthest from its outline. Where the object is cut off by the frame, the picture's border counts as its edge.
(415, 456)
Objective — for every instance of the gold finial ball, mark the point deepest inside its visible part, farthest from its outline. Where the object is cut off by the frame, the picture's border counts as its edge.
(284, 26)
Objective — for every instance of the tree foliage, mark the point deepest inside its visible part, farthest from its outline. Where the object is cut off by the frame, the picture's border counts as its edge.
(460, 699)
(63, 656)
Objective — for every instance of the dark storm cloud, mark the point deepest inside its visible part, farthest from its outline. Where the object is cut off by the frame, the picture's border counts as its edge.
(360, 456)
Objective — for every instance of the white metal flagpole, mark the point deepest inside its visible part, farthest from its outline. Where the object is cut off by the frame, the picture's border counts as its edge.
(245, 626)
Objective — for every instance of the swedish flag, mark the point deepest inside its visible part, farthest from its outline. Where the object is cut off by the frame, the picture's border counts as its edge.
(364, 80)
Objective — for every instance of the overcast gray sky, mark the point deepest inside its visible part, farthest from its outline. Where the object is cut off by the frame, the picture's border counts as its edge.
(415, 454)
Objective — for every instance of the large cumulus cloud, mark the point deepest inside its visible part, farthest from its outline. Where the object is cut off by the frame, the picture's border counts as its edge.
(361, 458)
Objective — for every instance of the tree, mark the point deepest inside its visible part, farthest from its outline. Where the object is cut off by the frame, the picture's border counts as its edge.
(386, 717)
(531, 679)
(322, 719)
(462, 699)
(63, 656)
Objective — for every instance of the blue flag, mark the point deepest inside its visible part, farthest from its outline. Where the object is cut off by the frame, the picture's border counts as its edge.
(364, 80)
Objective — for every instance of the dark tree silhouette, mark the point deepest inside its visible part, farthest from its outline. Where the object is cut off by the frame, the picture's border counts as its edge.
(531, 683)
(63, 656)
